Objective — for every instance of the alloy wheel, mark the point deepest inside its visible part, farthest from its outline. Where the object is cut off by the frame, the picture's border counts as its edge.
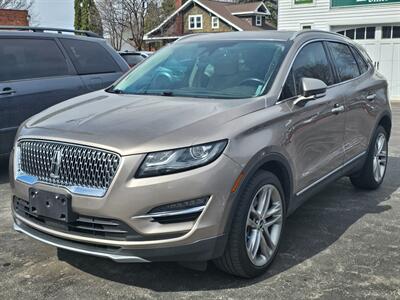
(380, 157)
(264, 225)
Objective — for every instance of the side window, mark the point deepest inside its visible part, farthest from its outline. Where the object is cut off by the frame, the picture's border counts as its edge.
(311, 62)
(362, 64)
(30, 58)
(89, 57)
(344, 61)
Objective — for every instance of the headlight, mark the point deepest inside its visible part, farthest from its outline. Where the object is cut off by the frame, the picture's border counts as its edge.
(178, 160)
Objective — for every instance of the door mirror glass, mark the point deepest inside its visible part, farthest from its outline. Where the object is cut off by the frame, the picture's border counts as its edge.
(313, 87)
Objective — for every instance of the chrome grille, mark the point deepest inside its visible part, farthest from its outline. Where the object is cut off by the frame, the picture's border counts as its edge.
(79, 166)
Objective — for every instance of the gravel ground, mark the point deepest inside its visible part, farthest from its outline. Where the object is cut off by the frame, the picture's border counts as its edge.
(343, 243)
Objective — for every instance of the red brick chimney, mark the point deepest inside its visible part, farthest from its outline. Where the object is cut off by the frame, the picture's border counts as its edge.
(178, 3)
(13, 17)
(178, 19)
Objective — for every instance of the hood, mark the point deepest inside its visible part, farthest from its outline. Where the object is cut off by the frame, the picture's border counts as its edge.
(132, 124)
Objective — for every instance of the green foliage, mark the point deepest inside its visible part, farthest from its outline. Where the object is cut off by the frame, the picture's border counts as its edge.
(87, 16)
(157, 12)
(273, 9)
(78, 14)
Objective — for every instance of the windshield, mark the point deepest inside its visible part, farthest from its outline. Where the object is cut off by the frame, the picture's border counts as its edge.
(211, 69)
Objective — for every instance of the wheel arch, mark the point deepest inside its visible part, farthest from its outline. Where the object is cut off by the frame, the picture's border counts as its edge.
(265, 160)
(386, 122)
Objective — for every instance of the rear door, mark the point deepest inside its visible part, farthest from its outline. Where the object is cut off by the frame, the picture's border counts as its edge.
(317, 127)
(352, 71)
(93, 62)
(34, 75)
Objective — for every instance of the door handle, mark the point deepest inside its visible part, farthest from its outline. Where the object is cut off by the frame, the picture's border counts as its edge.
(7, 91)
(337, 109)
(371, 97)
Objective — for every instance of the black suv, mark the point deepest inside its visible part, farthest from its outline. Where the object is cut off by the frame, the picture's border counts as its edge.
(39, 69)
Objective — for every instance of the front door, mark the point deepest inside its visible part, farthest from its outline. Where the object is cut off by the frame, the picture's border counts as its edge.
(317, 128)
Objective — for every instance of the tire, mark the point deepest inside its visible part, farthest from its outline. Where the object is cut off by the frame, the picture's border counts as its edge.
(247, 230)
(368, 177)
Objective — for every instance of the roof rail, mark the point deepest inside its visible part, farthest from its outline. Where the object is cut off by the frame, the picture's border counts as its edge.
(297, 33)
(57, 30)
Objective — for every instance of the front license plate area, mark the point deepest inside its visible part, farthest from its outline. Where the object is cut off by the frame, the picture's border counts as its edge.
(51, 205)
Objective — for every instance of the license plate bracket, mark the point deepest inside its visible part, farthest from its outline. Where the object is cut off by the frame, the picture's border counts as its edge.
(51, 205)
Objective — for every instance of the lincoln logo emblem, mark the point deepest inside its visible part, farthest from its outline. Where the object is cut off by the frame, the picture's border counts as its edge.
(55, 164)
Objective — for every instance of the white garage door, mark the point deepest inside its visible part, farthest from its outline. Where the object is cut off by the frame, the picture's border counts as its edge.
(384, 48)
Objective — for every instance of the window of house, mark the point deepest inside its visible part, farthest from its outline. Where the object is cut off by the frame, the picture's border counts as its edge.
(344, 61)
(214, 22)
(386, 32)
(360, 33)
(195, 22)
(306, 27)
(258, 20)
(30, 58)
(396, 32)
(350, 33)
(311, 62)
(371, 33)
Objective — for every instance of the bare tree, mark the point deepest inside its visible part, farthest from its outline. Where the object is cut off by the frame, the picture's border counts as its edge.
(16, 4)
(135, 12)
(112, 15)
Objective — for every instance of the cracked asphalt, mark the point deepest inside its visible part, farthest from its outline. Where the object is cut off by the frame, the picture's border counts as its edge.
(343, 243)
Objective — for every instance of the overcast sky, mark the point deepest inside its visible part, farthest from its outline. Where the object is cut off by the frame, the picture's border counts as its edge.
(54, 13)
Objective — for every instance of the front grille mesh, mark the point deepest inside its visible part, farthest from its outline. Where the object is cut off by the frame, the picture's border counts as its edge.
(80, 166)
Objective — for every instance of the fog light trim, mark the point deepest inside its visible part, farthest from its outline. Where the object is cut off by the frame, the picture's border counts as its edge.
(166, 211)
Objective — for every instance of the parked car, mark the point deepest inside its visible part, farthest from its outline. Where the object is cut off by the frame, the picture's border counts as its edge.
(135, 57)
(39, 69)
(202, 151)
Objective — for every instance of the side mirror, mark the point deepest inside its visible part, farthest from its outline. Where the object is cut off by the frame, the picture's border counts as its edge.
(312, 89)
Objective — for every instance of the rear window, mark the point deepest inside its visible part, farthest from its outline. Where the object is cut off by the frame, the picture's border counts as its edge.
(89, 57)
(132, 59)
(362, 64)
(30, 58)
(344, 61)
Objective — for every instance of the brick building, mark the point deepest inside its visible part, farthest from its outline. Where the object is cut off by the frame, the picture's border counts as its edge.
(13, 17)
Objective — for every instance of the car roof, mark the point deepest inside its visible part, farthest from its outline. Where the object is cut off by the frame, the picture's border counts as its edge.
(27, 34)
(279, 35)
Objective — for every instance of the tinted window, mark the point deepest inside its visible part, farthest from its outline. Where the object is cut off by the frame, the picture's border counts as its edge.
(89, 57)
(30, 58)
(133, 59)
(344, 61)
(310, 62)
(360, 61)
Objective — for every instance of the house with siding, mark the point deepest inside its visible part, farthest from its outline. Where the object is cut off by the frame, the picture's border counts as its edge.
(207, 16)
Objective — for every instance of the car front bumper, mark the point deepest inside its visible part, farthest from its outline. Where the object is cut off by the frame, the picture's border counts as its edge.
(129, 197)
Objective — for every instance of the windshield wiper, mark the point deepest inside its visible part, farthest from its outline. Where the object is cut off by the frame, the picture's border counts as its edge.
(116, 91)
(167, 93)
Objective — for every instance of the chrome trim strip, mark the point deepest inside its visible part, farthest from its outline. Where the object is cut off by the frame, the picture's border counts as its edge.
(114, 257)
(330, 173)
(297, 53)
(78, 190)
(171, 213)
